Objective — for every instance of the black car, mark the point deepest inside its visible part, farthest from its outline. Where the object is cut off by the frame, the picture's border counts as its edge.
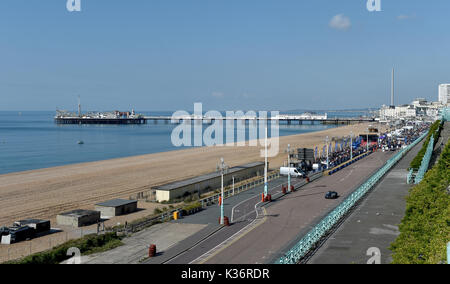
(331, 195)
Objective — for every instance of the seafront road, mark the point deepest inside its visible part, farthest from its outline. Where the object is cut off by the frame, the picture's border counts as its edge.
(375, 222)
(291, 216)
(260, 233)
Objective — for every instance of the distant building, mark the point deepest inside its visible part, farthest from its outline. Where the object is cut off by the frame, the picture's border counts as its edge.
(420, 108)
(444, 94)
(206, 183)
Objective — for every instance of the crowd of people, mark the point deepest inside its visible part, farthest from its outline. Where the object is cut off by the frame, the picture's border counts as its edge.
(392, 141)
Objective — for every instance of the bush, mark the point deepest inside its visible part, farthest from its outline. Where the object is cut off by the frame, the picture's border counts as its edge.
(197, 206)
(425, 229)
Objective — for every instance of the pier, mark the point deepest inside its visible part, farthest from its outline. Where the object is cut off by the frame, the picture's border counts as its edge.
(290, 120)
(177, 120)
(83, 120)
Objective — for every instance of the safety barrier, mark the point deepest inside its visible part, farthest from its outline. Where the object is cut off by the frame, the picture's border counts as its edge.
(299, 251)
(231, 192)
(411, 176)
(425, 162)
(448, 253)
(445, 114)
(346, 164)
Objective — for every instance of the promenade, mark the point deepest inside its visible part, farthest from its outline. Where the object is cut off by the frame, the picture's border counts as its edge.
(373, 224)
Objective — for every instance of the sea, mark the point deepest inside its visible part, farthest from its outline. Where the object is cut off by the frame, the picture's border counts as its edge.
(32, 140)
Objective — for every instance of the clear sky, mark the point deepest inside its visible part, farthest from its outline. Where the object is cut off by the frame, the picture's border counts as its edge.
(227, 54)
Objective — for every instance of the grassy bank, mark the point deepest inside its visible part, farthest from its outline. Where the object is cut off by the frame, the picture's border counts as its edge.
(425, 229)
(435, 130)
(87, 245)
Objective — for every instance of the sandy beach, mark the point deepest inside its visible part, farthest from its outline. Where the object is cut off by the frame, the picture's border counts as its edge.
(46, 192)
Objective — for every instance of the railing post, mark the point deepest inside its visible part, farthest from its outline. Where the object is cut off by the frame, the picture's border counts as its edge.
(448, 253)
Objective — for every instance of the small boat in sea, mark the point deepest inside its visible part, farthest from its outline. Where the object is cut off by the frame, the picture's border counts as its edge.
(80, 142)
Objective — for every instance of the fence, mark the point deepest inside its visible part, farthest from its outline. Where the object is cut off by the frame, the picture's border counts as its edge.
(168, 215)
(43, 243)
(425, 162)
(445, 114)
(242, 187)
(299, 251)
(347, 163)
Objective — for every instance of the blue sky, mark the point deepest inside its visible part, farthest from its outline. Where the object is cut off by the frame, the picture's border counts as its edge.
(227, 54)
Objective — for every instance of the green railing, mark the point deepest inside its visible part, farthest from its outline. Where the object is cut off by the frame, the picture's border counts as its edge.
(299, 251)
(425, 162)
(445, 114)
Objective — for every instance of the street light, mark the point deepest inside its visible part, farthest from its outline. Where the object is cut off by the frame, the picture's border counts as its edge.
(289, 167)
(265, 167)
(223, 168)
(328, 148)
(367, 143)
(351, 145)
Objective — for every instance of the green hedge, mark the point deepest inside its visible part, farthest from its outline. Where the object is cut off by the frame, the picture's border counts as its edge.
(192, 208)
(434, 129)
(87, 245)
(425, 229)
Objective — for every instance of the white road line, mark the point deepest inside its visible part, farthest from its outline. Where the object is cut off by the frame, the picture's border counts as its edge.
(204, 257)
(235, 236)
(234, 207)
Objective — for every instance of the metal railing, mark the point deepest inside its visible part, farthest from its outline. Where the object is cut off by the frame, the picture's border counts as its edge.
(210, 200)
(299, 251)
(168, 215)
(425, 162)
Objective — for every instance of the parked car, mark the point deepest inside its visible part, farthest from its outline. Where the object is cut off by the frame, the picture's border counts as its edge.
(331, 195)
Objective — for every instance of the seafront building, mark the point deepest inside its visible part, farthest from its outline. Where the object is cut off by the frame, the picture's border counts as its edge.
(444, 94)
(420, 108)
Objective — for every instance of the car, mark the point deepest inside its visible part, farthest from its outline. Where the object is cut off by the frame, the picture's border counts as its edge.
(331, 195)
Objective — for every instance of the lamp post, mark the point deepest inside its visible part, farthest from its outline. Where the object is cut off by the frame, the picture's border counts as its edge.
(351, 145)
(222, 167)
(289, 167)
(233, 185)
(265, 166)
(367, 143)
(328, 149)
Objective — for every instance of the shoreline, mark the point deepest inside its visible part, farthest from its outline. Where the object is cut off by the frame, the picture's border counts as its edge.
(140, 155)
(44, 193)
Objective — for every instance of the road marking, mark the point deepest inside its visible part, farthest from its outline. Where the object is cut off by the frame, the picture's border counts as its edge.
(231, 240)
(241, 233)
(349, 174)
(232, 209)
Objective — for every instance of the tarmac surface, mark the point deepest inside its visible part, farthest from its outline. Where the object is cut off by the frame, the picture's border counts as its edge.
(373, 224)
(241, 209)
(260, 232)
(291, 216)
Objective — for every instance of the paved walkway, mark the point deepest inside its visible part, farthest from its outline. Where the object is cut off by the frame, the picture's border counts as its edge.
(135, 248)
(373, 224)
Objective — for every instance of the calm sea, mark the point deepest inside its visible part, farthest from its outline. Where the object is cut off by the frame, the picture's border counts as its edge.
(31, 140)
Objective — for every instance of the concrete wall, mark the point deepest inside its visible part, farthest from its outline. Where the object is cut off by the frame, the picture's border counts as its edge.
(116, 211)
(211, 184)
(78, 221)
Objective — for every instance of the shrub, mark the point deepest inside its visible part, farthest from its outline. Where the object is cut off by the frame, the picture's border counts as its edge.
(425, 229)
